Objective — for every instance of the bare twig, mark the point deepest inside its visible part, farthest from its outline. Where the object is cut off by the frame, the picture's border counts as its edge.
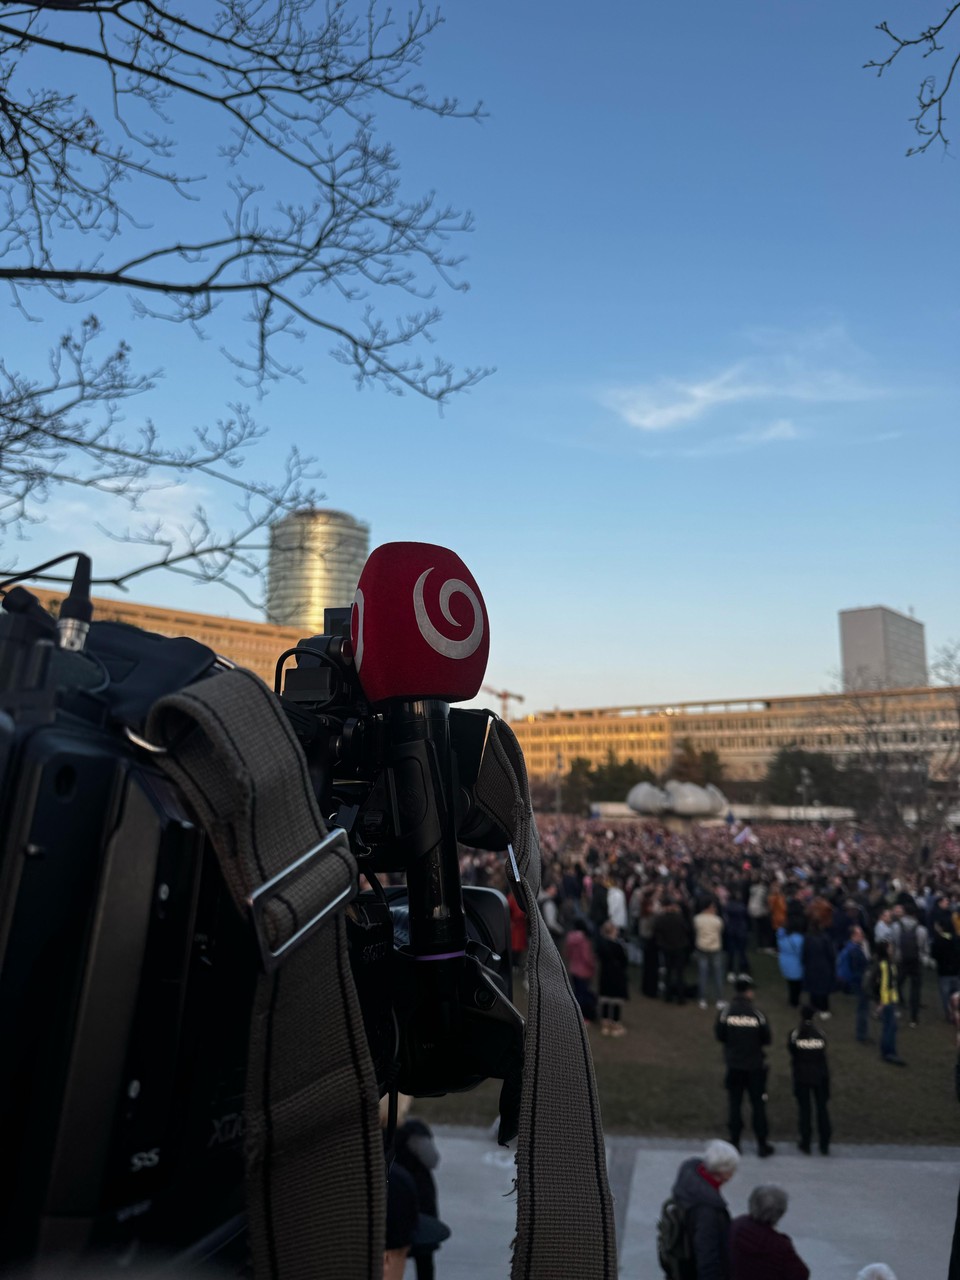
(931, 118)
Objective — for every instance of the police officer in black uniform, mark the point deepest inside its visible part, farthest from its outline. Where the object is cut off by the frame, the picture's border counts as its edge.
(744, 1032)
(811, 1080)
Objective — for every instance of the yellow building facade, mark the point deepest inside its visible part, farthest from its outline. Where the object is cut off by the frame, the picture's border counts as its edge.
(745, 733)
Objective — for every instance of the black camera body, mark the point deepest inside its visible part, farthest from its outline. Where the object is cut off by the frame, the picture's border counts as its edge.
(127, 975)
(400, 782)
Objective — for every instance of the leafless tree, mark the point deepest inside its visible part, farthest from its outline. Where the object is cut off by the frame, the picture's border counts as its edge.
(299, 221)
(903, 766)
(931, 116)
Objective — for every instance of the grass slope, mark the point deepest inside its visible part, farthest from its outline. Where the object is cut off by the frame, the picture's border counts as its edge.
(665, 1078)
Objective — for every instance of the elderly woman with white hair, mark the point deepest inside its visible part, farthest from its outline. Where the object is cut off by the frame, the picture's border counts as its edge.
(757, 1250)
(707, 1219)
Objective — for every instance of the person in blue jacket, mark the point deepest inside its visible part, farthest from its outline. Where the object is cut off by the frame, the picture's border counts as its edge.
(790, 956)
(852, 964)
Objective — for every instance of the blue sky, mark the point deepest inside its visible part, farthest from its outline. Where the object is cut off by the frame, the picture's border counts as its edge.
(723, 310)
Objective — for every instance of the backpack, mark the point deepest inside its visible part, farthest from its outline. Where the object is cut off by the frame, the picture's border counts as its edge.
(844, 972)
(674, 1247)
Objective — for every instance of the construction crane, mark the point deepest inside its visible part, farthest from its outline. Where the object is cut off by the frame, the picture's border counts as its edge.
(504, 695)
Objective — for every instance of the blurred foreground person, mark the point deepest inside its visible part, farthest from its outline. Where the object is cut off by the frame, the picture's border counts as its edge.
(417, 1153)
(706, 1217)
(811, 1080)
(403, 1209)
(757, 1250)
(954, 1271)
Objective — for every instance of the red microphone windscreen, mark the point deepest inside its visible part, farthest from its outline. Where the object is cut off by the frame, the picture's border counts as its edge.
(419, 625)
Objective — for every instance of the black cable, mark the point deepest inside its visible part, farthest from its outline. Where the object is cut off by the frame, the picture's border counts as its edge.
(302, 648)
(38, 569)
(105, 683)
(376, 887)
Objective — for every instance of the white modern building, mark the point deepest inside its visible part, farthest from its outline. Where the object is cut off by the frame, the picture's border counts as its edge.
(882, 649)
(315, 560)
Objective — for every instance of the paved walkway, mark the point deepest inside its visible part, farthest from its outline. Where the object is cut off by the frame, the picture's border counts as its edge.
(860, 1205)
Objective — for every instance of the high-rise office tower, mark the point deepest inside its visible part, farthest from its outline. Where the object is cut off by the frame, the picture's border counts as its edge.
(315, 560)
(882, 649)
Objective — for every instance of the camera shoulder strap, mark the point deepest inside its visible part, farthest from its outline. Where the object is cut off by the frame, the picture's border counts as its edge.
(561, 1163)
(315, 1174)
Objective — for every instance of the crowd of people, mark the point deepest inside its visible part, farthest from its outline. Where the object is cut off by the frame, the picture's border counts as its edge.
(840, 909)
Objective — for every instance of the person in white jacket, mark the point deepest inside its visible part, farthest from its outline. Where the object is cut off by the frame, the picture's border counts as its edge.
(617, 907)
(708, 939)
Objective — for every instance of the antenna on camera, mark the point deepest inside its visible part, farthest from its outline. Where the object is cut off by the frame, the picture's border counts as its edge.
(76, 611)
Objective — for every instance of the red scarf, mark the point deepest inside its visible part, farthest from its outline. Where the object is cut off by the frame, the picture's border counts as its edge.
(707, 1176)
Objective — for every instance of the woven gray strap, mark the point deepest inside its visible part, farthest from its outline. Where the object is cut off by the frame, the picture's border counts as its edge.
(315, 1172)
(565, 1222)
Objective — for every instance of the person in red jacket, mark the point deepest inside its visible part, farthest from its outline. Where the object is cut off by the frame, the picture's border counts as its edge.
(519, 939)
(581, 965)
(757, 1250)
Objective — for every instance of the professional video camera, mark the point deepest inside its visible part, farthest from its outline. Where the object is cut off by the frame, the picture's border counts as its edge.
(126, 974)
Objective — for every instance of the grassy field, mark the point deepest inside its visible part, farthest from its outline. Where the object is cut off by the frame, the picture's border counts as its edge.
(665, 1078)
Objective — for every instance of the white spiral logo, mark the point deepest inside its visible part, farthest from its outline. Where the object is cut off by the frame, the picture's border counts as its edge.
(436, 641)
(358, 610)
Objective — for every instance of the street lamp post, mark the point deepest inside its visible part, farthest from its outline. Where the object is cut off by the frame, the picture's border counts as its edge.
(804, 788)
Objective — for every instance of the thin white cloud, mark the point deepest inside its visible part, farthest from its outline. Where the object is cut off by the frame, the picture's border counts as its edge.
(810, 368)
(782, 429)
(774, 433)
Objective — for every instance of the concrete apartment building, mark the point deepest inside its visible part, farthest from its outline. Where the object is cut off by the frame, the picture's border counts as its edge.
(745, 733)
(881, 648)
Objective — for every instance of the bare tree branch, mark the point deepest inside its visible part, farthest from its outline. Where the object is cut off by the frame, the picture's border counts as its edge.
(930, 118)
(295, 224)
(908, 769)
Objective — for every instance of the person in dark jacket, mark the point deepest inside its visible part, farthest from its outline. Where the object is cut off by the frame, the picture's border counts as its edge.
(811, 1080)
(599, 913)
(744, 1033)
(416, 1152)
(673, 939)
(757, 1250)
(697, 1192)
(736, 935)
(945, 949)
(819, 968)
(650, 980)
(612, 958)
